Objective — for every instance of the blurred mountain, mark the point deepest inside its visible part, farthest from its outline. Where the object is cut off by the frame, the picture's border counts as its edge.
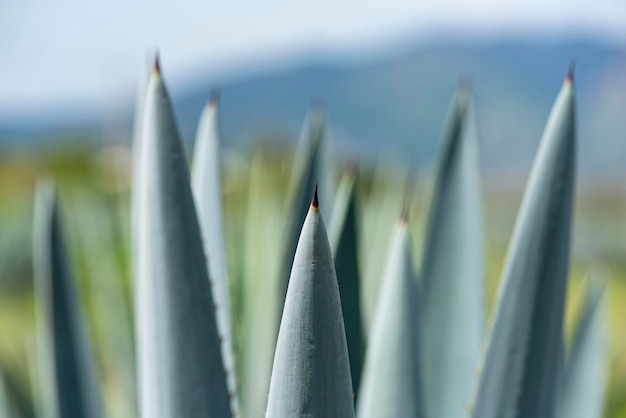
(400, 101)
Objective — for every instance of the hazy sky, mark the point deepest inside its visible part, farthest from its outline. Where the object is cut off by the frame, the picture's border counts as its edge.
(84, 51)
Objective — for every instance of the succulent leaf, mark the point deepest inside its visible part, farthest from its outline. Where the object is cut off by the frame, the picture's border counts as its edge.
(391, 385)
(387, 195)
(207, 188)
(343, 232)
(452, 267)
(311, 372)
(520, 376)
(71, 386)
(181, 373)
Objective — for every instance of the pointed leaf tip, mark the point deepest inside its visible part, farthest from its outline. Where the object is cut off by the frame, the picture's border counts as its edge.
(168, 234)
(465, 84)
(527, 361)
(318, 104)
(404, 215)
(315, 204)
(156, 69)
(214, 97)
(352, 170)
(571, 71)
(318, 107)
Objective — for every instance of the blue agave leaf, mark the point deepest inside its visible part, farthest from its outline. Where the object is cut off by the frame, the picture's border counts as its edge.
(181, 373)
(71, 387)
(391, 384)
(311, 372)
(520, 377)
(343, 232)
(207, 188)
(453, 270)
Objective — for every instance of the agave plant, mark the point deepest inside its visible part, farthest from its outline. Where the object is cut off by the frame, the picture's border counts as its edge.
(521, 373)
(70, 382)
(452, 267)
(343, 235)
(392, 374)
(207, 187)
(311, 163)
(181, 372)
(311, 372)
(423, 335)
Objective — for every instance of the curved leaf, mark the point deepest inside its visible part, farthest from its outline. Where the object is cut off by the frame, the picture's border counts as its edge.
(207, 188)
(391, 384)
(181, 373)
(453, 270)
(520, 376)
(311, 372)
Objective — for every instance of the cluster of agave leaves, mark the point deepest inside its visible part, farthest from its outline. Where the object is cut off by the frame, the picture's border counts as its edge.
(428, 352)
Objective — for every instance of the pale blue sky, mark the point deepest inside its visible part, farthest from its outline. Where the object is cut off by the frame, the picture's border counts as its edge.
(92, 52)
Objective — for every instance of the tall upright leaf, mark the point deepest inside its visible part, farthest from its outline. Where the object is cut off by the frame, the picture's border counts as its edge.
(520, 376)
(452, 269)
(310, 166)
(391, 385)
(311, 373)
(181, 373)
(343, 235)
(585, 373)
(71, 384)
(207, 188)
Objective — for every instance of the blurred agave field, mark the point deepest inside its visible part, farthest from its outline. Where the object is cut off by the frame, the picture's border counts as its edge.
(94, 192)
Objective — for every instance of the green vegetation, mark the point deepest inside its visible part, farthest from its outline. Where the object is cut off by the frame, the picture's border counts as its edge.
(172, 322)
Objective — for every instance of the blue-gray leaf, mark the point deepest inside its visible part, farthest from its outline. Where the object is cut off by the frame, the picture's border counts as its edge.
(391, 384)
(311, 372)
(207, 189)
(453, 268)
(343, 233)
(181, 373)
(520, 376)
(71, 387)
